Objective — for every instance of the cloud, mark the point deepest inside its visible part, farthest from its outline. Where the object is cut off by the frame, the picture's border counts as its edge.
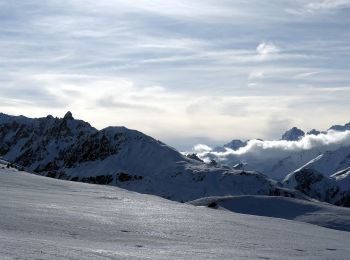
(318, 7)
(307, 74)
(258, 151)
(266, 50)
(202, 148)
(328, 5)
(256, 75)
(112, 102)
(212, 106)
(28, 92)
(276, 125)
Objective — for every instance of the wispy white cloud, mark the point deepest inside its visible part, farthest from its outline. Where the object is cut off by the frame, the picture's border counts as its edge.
(256, 75)
(318, 7)
(267, 49)
(328, 5)
(202, 148)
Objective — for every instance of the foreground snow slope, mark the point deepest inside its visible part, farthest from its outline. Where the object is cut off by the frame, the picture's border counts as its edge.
(43, 218)
(318, 213)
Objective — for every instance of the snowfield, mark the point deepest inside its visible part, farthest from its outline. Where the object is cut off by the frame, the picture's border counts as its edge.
(44, 218)
(314, 212)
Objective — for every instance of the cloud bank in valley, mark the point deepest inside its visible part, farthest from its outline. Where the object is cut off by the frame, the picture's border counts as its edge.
(273, 150)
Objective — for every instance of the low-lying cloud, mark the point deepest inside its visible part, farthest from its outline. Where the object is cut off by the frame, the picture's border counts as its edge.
(259, 150)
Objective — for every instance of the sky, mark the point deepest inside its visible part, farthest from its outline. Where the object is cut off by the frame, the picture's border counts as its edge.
(182, 71)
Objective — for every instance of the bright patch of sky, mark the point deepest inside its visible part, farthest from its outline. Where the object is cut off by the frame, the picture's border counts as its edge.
(181, 71)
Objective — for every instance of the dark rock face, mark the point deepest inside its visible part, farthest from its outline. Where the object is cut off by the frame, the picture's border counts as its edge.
(313, 132)
(306, 178)
(213, 163)
(194, 156)
(235, 144)
(100, 179)
(213, 205)
(281, 193)
(45, 145)
(317, 186)
(293, 134)
(89, 148)
(124, 177)
(68, 116)
(341, 128)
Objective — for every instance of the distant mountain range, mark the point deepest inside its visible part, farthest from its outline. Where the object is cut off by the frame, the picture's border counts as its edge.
(70, 149)
(316, 163)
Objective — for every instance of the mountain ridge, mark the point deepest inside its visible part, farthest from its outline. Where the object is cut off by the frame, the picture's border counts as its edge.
(70, 149)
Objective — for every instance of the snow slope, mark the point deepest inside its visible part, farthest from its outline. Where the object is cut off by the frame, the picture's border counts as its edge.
(343, 178)
(313, 212)
(326, 177)
(44, 218)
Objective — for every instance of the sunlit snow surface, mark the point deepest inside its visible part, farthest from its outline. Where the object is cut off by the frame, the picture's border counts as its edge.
(42, 218)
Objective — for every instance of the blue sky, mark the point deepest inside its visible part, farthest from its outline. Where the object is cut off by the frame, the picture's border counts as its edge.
(182, 71)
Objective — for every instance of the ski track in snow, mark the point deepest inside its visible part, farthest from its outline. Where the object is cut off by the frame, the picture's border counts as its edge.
(43, 218)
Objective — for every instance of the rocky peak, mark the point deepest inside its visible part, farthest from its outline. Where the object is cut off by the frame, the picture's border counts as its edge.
(341, 128)
(68, 116)
(313, 132)
(194, 156)
(235, 144)
(293, 134)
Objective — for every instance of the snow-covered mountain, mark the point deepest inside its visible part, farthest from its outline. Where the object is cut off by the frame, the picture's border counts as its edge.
(44, 218)
(343, 178)
(330, 162)
(314, 163)
(277, 158)
(326, 178)
(316, 185)
(71, 149)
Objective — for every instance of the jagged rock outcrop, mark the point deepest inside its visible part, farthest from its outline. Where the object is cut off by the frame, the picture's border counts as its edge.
(313, 132)
(315, 185)
(341, 128)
